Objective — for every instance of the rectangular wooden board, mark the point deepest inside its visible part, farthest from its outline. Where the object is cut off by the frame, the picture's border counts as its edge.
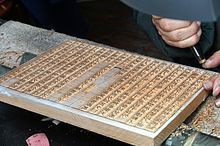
(129, 97)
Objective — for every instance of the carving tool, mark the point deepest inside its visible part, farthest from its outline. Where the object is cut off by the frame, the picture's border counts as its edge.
(198, 55)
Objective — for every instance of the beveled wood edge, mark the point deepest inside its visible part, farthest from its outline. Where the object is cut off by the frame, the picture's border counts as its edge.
(98, 124)
(95, 123)
(187, 109)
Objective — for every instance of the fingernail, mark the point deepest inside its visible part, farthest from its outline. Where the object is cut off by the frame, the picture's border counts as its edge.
(216, 91)
(217, 103)
(207, 85)
(207, 64)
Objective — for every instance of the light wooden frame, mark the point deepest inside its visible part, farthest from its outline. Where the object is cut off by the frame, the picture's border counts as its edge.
(107, 127)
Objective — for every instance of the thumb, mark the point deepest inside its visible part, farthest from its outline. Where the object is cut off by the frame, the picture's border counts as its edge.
(213, 61)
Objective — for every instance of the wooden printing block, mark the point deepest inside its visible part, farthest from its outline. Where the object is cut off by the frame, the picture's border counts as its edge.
(129, 97)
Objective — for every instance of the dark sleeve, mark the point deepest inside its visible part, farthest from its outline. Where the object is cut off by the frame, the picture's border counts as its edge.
(205, 43)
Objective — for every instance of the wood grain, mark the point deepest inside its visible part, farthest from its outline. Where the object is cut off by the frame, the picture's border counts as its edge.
(129, 97)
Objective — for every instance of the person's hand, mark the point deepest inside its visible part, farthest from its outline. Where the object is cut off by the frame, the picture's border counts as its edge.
(214, 82)
(178, 33)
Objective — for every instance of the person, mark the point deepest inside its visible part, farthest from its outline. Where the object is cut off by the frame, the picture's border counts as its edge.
(175, 37)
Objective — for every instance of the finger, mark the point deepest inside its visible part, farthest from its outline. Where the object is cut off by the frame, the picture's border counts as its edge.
(199, 23)
(181, 34)
(216, 86)
(156, 17)
(153, 20)
(208, 85)
(217, 102)
(185, 43)
(213, 61)
(171, 24)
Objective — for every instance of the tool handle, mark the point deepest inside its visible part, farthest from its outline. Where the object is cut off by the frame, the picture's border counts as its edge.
(201, 59)
(198, 54)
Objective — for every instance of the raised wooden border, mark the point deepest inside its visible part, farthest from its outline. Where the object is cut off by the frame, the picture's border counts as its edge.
(95, 123)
